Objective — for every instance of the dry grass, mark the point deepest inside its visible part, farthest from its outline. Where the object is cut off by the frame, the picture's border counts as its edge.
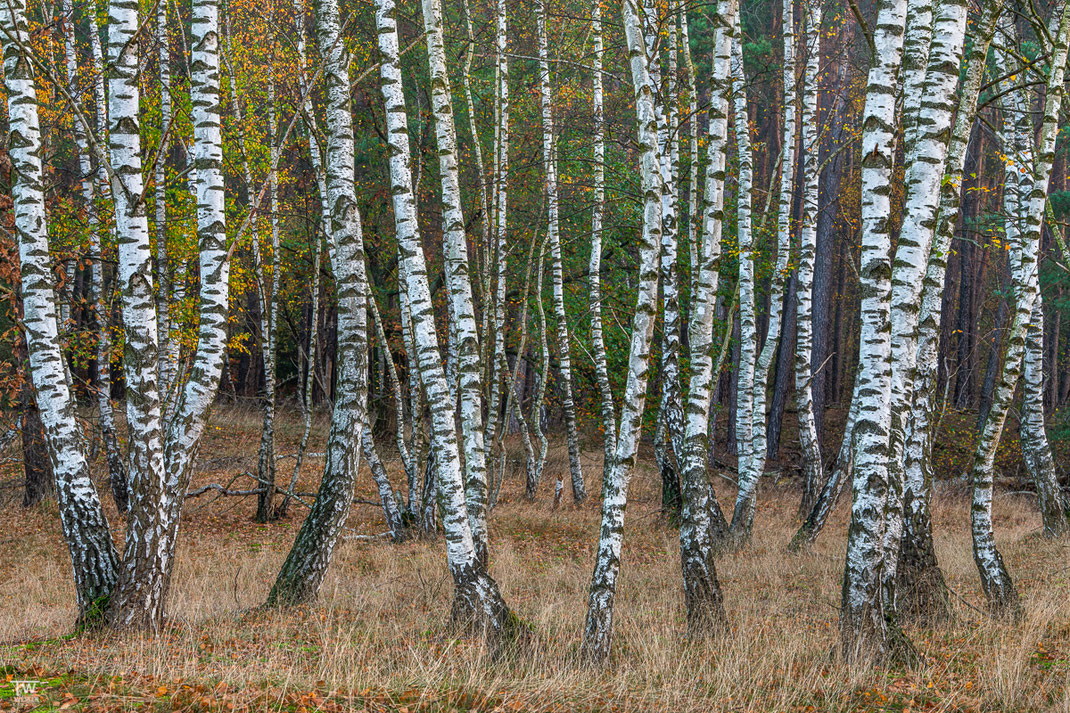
(378, 638)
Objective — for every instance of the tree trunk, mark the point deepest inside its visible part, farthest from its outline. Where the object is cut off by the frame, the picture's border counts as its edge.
(863, 627)
(85, 528)
(306, 564)
(598, 346)
(702, 591)
(598, 626)
(804, 293)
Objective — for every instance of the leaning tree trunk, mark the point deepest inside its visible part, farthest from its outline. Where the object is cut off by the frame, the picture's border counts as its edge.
(85, 528)
(833, 487)
(478, 605)
(995, 579)
(389, 501)
(462, 308)
(305, 566)
(598, 628)
(1036, 450)
(920, 588)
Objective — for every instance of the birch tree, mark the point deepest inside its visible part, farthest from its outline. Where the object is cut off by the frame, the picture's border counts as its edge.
(85, 528)
(305, 566)
(478, 604)
(804, 335)
(598, 345)
(920, 590)
(668, 438)
(995, 579)
(598, 626)
(863, 627)
(748, 332)
(168, 352)
(90, 181)
(266, 292)
(158, 491)
(496, 355)
(579, 490)
(702, 594)
(754, 464)
(1036, 450)
(456, 247)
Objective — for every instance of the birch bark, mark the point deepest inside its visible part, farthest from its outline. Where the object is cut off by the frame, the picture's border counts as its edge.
(995, 579)
(89, 177)
(743, 513)
(85, 528)
(168, 354)
(148, 478)
(458, 272)
(748, 332)
(564, 351)
(478, 604)
(157, 506)
(804, 291)
(702, 593)
(863, 628)
(920, 588)
(598, 627)
(501, 222)
(305, 566)
(598, 345)
(1036, 450)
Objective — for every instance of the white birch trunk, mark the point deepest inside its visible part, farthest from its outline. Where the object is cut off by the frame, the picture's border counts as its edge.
(921, 580)
(598, 628)
(549, 160)
(501, 215)
(694, 193)
(143, 561)
(85, 528)
(748, 332)
(462, 307)
(112, 452)
(312, 551)
(995, 580)
(804, 288)
(156, 509)
(1036, 450)
(702, 594)
(477, 601)
(168, 354)
(598, 345)
(743, 513)
(863, 627)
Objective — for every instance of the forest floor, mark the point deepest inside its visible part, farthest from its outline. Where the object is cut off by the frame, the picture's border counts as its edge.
(378, 640)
